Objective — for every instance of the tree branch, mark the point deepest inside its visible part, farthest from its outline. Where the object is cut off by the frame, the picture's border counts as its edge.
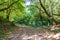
(56, 14)
(44, 8)
(9, 6)
(50, 17)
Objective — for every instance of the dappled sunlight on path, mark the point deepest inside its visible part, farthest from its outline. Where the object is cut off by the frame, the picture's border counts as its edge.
(29, 33)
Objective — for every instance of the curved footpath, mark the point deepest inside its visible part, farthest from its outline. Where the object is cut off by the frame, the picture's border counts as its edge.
(29, 33)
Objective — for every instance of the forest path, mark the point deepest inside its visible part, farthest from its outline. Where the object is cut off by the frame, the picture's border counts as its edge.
(29, 33)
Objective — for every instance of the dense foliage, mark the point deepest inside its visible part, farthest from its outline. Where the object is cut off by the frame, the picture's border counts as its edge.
(38, 13)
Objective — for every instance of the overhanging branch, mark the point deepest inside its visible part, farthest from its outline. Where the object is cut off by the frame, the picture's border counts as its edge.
(9, 6)
(44, 9)
(50, 16)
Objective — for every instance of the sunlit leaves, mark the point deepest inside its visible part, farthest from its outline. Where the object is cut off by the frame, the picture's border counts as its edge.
(16, 9)
(33, 14)
(19, 13)
(12, 15)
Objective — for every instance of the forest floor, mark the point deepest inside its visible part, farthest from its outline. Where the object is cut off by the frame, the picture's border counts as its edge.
(29, 33)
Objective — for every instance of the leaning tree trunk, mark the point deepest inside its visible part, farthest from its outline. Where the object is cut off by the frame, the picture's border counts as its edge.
(49, 16)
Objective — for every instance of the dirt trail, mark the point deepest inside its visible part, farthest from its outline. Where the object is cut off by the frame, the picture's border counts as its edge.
(29, 33)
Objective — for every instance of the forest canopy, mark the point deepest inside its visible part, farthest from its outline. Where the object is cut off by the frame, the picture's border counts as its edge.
(30, 12)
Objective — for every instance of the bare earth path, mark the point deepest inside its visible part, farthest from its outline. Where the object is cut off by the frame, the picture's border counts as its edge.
(29, 33)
